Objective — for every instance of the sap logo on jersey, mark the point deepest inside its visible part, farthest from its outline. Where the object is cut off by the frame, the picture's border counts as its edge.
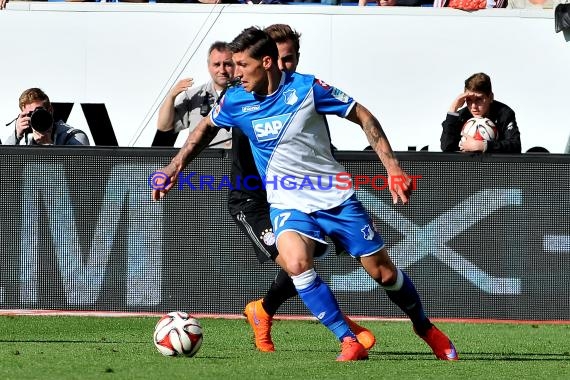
(269, 128)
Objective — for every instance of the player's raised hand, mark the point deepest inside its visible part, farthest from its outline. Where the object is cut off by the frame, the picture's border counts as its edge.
(162, 181)
(459, 101)
(182, 85)
(400, 186)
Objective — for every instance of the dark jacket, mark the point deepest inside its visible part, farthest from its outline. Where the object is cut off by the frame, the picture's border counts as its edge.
(508, 141)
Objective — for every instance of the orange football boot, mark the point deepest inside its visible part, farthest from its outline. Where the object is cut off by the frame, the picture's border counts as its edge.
(364, 336)
(440, 344)
(351, 350)
(261, 323)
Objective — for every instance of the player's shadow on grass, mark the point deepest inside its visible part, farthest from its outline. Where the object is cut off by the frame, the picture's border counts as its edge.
(514, 356)
(102, 341)
(486, 356)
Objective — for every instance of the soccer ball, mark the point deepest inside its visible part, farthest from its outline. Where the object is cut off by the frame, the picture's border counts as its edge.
(480, 128)
(178, 333)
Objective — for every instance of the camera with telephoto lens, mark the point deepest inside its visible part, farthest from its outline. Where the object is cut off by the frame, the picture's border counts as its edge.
(40, 120)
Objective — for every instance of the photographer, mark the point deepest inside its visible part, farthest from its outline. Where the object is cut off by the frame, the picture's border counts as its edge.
(35, 124)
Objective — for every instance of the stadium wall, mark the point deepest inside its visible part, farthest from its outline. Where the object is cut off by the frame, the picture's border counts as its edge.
(484, 237)
(405, 64)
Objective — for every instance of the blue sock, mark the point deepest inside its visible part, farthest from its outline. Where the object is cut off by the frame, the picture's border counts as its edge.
(318, 297)
(404, 294)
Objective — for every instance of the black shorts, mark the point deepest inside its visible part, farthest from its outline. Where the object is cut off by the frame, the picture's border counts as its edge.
(253, 220)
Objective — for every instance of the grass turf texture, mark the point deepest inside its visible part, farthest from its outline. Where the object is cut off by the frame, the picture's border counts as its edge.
(121, 348)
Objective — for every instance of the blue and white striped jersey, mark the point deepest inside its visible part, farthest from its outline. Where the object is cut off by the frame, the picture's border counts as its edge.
(289, 139)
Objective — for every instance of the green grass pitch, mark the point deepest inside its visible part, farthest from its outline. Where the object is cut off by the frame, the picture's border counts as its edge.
(63, 347)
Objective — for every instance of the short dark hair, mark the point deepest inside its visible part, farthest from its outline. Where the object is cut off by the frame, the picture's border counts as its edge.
(479, 82)
(257, 41)
(218, 46)
(282, 33)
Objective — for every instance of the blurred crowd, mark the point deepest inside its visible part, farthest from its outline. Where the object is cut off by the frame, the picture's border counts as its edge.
(469, 5)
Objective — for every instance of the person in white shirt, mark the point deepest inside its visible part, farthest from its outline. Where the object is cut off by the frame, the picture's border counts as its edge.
(185, 105)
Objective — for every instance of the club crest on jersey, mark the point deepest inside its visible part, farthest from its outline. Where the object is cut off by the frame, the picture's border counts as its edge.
(269, 128)
(268, 237)
(216, 111)
(367, 232)
(338, 94)
(290, 97)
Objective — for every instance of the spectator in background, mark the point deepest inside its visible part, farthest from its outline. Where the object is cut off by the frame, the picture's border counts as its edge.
(465, 5)
(540, 4)
(184, 106)
(477, 100)
(400, 3)
(199, 1)
(35, 124)
(183, 1)
(3, 4)
(323, 2)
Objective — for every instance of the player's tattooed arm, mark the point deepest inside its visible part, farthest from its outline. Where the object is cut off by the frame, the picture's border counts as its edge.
(379, 142)
(374, 133)
(196, 142)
